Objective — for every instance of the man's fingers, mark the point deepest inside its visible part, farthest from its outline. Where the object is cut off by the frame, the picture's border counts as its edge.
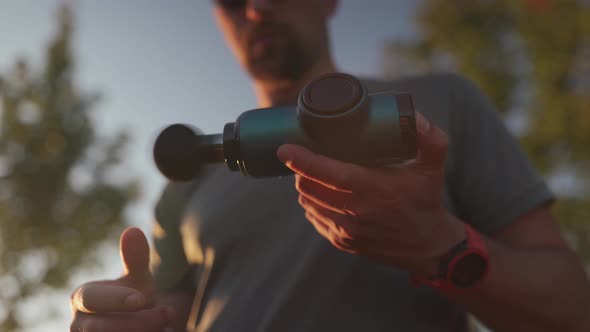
(149, 320)
(432, 144)
(133, 292)
(135, 254)
(334, 200)
(102, 298)
(321, 227)
(331, 173)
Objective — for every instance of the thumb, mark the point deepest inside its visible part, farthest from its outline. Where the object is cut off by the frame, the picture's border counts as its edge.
(135, 254)
(432, 144)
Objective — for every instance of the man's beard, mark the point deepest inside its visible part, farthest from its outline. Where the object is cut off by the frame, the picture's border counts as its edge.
(284, 59)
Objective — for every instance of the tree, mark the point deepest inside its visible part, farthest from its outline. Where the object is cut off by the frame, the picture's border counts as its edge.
(531, 57)
(57, 199)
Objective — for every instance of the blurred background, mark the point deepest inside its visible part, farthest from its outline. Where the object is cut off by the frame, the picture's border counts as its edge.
(86, 86)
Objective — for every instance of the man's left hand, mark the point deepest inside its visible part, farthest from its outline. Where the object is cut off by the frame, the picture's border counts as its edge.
(393, 214)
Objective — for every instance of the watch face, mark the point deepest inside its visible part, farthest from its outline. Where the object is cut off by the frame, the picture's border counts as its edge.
(468, 270)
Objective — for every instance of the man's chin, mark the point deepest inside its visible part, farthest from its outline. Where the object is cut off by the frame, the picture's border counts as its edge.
(272, 70)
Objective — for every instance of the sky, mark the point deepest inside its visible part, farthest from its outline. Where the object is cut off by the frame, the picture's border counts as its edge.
(162, 62)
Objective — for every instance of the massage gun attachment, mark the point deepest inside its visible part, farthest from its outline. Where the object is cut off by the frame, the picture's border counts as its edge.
(335, 116)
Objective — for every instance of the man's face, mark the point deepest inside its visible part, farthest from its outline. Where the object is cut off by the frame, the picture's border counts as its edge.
(275, 39)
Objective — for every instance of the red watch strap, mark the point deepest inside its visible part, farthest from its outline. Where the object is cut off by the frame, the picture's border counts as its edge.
(473, 244)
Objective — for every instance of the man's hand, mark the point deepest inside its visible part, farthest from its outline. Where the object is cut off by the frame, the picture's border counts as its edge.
(393, 214)
(126, 304)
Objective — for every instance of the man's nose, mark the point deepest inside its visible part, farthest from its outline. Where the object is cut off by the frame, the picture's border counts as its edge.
(258, 10)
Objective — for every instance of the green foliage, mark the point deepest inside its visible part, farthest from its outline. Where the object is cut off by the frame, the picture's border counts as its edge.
(531, 58)
(57, 201)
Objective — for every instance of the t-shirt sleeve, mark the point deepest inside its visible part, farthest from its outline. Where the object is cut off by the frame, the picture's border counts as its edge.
(493, 181)
(169, 263)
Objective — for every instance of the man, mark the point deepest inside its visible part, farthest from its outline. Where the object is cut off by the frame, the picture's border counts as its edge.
(336, 247)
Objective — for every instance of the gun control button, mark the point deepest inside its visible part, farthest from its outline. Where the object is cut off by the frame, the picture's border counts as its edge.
(332, 94)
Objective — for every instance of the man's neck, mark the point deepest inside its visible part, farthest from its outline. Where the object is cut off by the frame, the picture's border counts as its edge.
(275, 92)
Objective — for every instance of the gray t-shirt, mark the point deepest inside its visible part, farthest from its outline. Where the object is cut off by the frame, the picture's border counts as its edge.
(271, 271)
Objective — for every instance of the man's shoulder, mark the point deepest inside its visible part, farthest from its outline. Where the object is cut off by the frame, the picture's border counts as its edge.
(436, 95)
(446, 98)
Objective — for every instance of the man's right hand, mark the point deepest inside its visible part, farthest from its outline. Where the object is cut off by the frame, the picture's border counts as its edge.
(125, 304)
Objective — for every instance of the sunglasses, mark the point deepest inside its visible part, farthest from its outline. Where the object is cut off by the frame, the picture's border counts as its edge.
(231, 4)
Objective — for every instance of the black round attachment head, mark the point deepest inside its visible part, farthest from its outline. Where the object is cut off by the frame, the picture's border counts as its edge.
(176, 153)
(332, 94)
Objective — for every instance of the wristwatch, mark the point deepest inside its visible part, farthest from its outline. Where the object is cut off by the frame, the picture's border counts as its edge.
(463, 266)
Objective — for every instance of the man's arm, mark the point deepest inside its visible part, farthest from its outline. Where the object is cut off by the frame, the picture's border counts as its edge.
(395, 215)
(535, 283)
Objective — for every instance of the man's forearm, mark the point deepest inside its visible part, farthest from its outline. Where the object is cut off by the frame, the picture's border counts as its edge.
(538, 290)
